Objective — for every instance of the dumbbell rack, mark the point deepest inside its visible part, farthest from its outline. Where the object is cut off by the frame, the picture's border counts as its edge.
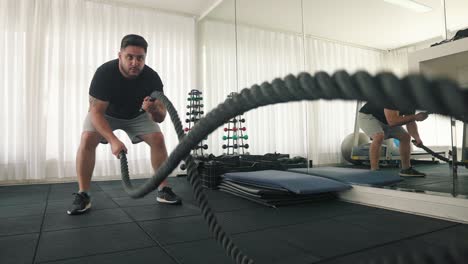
(235, 135)
(194, 114)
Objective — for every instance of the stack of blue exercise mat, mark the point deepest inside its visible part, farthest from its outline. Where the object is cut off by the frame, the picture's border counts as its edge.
(276, 187)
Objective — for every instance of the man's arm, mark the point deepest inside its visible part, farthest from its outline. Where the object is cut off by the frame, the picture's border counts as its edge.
(97, 109)
(394, 119)
(412, 128)
(155, 109)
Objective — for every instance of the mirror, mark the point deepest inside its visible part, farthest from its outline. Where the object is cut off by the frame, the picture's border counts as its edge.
(373, 36)
(217, 77)
(456, 21)
(270, 45)
(315, 36)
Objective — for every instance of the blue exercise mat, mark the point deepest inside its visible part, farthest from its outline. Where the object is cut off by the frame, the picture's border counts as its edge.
(353, 176)
(298, 183)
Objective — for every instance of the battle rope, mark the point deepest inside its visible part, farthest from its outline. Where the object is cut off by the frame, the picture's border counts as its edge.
(385, 89)
(438, 156)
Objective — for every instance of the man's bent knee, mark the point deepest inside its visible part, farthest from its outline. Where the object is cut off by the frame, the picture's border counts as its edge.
(90, 140)
(378, 138)
(404, 137)
(154, 139)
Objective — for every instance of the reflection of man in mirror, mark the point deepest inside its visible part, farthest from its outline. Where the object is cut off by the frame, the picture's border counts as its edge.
(382, 123)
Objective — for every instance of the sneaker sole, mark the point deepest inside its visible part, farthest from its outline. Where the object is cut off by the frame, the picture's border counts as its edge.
(78, 212)
(161, 200)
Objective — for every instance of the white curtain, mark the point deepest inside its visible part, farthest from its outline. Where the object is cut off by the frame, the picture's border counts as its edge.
(264, 55)
(52, 49)
(261, 56)
(217, 47)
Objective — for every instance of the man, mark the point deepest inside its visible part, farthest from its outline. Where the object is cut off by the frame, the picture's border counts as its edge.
(383, 123)
(118, 94)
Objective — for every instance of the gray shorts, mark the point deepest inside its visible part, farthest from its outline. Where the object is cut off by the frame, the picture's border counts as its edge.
(140, 125)
(371, 126)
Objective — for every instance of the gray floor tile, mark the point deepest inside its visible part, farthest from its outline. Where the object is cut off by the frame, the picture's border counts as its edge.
(58, 221)
(161, 211)
(139, 256)
(176, 230)
(203, 251)
(20, 225)
(326, 238)
(81, 242)
(405, 225)
(268, 246)
(18, 249)
(22, 210)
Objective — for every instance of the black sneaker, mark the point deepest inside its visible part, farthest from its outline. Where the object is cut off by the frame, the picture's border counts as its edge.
(81, 204)
(410, 172)
(166, 195)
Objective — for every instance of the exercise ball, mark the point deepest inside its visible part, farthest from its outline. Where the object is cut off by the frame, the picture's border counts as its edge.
(347, 145)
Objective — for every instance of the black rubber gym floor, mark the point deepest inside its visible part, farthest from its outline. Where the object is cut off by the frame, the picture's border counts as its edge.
(34, 228)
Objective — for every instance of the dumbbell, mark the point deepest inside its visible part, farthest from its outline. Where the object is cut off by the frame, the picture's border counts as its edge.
(226, 146)
(195, 92)
(195, 112)
(187, 129)
(241, 146)
(235, 129)
(195, 106)
(203, 147)
(243, 137)
(195, 98)
(191, 120)
(235, 137)
(242, 120)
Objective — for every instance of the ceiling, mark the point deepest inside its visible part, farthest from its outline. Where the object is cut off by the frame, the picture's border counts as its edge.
(194, 8)
(370, 23)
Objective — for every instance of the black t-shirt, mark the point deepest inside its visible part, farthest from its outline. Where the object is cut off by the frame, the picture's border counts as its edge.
(125, 96)
(378, 112)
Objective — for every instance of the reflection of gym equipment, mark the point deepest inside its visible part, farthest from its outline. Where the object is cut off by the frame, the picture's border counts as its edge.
(355, 148)
(235, 129)
(195, 106)
(242, 120)
(194, 112)
(235, 146)
(236, 137)
(193, 119)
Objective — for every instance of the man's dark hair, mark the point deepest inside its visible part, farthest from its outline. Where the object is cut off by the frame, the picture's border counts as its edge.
(134, 40)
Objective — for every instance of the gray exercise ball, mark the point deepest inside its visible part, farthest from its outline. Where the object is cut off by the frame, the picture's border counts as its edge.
(347, 145)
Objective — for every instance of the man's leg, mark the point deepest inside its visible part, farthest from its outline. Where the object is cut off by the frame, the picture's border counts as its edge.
(405, 149)
(86, 159)
(374, 150)
(158, 156)
(374, 129)
(158, 150)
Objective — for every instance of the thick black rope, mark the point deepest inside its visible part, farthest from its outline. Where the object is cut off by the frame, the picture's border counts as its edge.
(438, 156)
(385, 89)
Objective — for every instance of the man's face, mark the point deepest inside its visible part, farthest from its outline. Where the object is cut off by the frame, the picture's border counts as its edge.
(131, 61)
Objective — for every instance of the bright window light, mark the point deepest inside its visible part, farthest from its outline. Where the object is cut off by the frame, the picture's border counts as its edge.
(410, 4)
